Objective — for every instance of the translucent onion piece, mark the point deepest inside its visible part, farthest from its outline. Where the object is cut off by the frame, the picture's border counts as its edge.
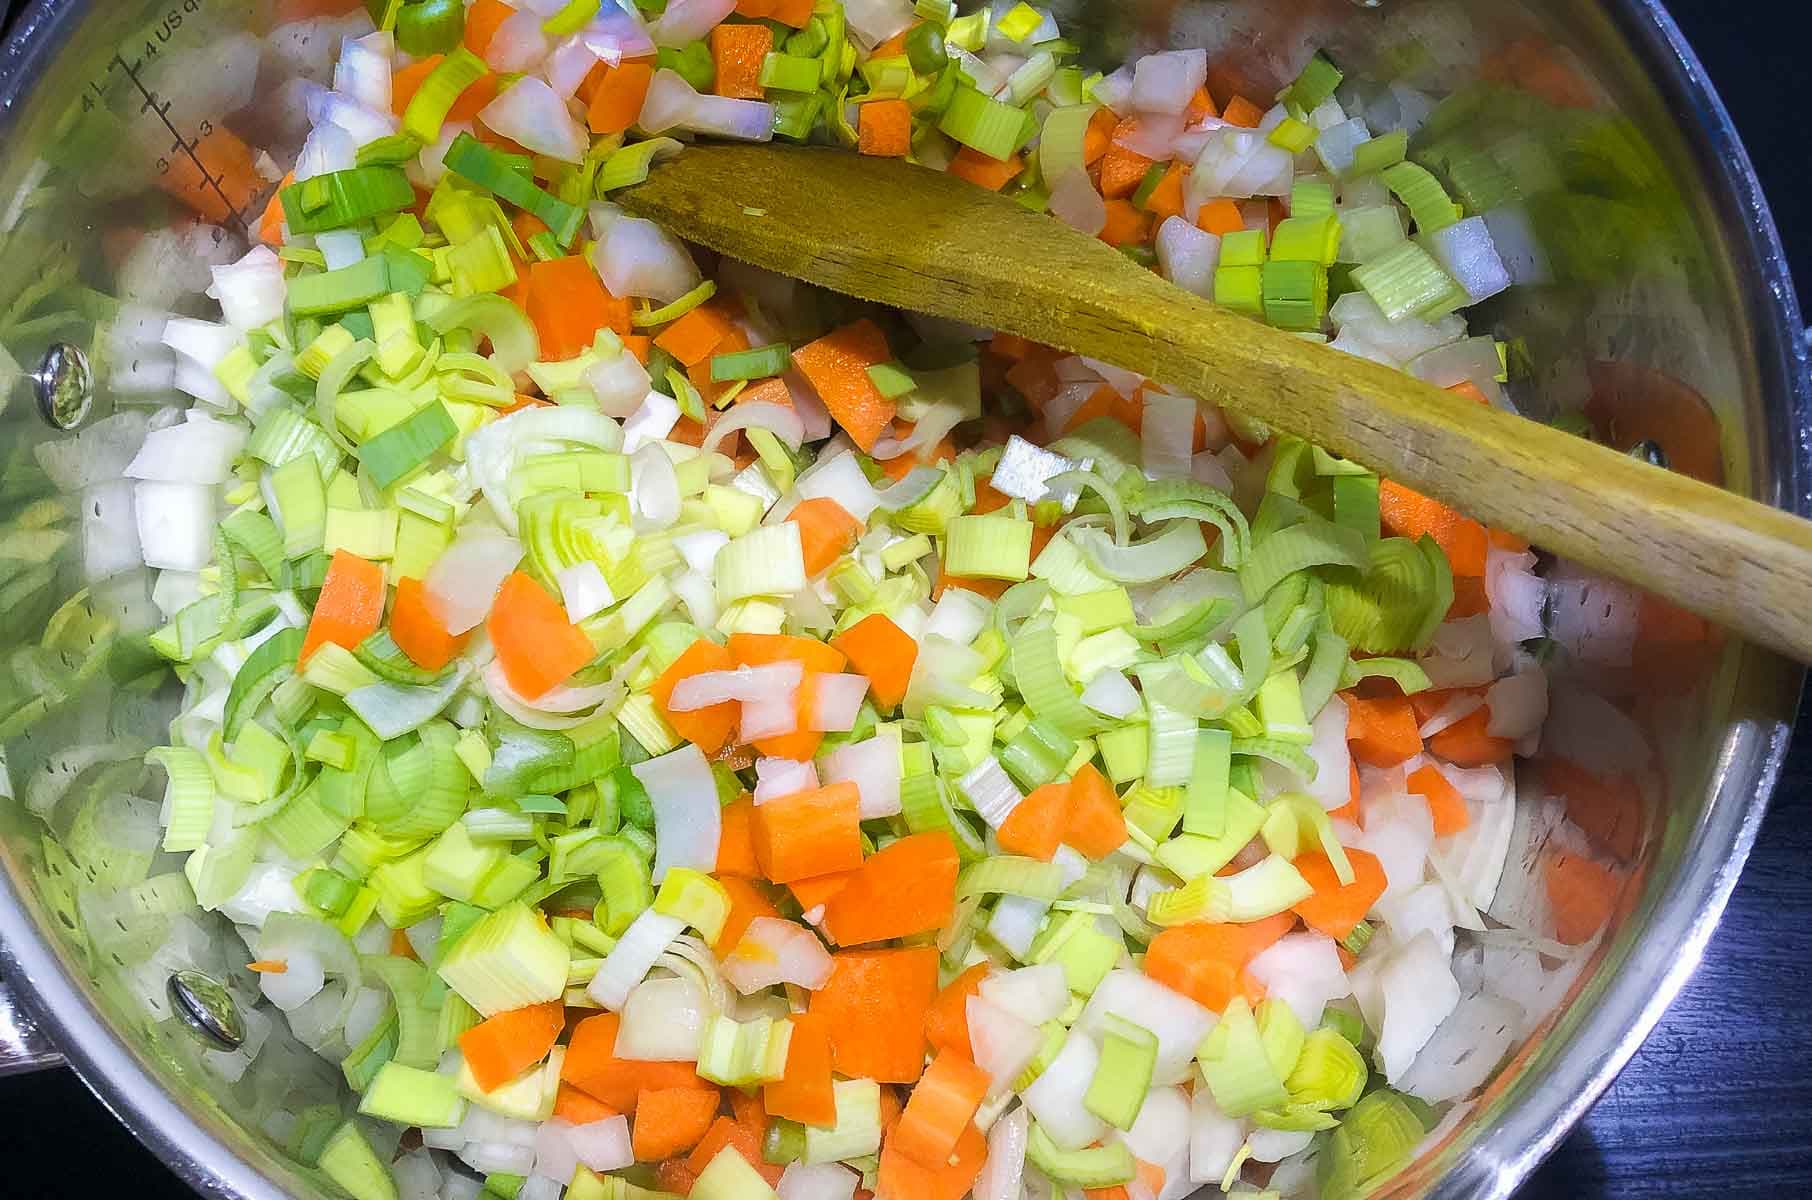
(773, 951)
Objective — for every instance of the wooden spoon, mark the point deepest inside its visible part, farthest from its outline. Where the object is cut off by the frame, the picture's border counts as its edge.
(886, 231)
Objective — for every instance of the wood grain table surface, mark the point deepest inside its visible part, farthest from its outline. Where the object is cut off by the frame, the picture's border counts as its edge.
(1718, 1103)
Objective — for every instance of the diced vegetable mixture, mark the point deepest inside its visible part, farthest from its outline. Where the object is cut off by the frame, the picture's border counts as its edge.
(662, 730)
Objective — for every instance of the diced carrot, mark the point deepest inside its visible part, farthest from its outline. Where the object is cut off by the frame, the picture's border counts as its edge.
(1427, 703)
(826, 532)
(803, 742)
(747, 901)
(1607, 807)
(505, 1044)
(580, 1108)
(1122, 170)
(1468, 741)
(217, 177)
(906, 887)
(568, 304)
(763, 649)
(1104, 401)
(941, 1107)
(482, 21)
(670, 1121)
(1094, 825)
(1201, 106)
(693, 337)
(890, 1109)
(874, 1005)
(707, 728)
(1220, 217)
(1035, 377)
(1242, 112)
(1583, 895)
(810, 893)
(1382, 732)
(879, 649)
(1470, 598)
(894, 46)
(1116, 1192)
(768, 391)
(406, 81)
(737, 51)
(1099, 136)
(537, 647)
(673, 1176)
(755, 9)
(473, 100)
(618, 100)
(726, 1131)
(417, 632)
(1335, 908)
(947, 1024)
(1166, 200)
(1207, 963)
(837, 366)
(750, 1113)
(591, 1065)
(1036, 826)
(1470, 390)
(809, 833)
(1445, 804)
(903, 1178)
(736, 843)
(1126, 225)
(350, 605)
(1350, 810)
(884, 128)
(983, 171)
(796, 13)
(1409, 514)
(804, 1092)
(270, 225)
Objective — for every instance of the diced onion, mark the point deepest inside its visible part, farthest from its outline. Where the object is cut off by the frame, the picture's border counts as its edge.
(1167, 82)
(532, 113)
(773, 951)
(464, 580)
(687, 824)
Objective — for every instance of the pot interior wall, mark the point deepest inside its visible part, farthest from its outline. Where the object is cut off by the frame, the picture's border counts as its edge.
(1655, 327)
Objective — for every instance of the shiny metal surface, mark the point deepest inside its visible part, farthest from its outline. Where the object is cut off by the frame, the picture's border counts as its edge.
(203, 1004)
(1697, 310)
(23, 1045)
(64, 383)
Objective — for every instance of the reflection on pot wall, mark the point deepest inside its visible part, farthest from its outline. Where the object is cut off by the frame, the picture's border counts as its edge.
(129, 171)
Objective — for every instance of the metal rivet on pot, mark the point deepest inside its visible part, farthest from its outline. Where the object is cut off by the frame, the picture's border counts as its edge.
(1649, 451)
(65, 386)
(207, 1011)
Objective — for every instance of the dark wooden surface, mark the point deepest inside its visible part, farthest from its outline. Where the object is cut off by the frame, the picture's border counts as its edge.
(1718, 1103)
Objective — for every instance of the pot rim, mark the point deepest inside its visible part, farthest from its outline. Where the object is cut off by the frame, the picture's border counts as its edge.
(1502, 1156)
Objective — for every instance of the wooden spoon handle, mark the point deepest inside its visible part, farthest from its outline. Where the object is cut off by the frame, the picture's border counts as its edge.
(922, 240)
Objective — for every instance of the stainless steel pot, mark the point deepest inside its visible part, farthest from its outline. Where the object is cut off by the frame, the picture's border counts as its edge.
(1671, 304)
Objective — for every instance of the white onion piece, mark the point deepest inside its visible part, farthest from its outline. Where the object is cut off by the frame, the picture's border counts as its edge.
(251, 291)
(687, 824)
(1303, 970)
(873, 766)
(569, 64)
(1418, 992)
(1016, 921)
(651, 422)
(584, 590)
(463, 581)
(688, 20)
(1111, 694)
(327, 149)
(654, 498)
(836, 701)
(663, 1021)
(518, 45)
(620, 384)
(639, 258)
(1004, 1045)
(1076, 203)
(959, 615)
(777, 419)
(1465, 1050)
(533, 114)
(1332, 786)
(646, 939)
(817, 1181)
(700, 549)
(771, 715)
(777, 777)
(1336, 145)
(1055, 1097)
(1002, 1174)
(1168, 437)
(341, 247)
(1167, 82)
(1126, 382)
(300, 981)
(110, 532)
(808, 404)
(1214, 1138)
(840, 479)
(200, 450)
(1178, 1022)
(175, 523)
(1187, 256)
(1465, 251)
(364, 124)
(1116, 90)
(1519, 704)
(558, 700)
(363, 69)
(1462, 705)
(741, 683)
(1153, 135)
(430, 166)
(1034, 994)
(698, 593)
(1160, 1133)
(614, 35)
(773, 951)
(874, 21)
(672, 103)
